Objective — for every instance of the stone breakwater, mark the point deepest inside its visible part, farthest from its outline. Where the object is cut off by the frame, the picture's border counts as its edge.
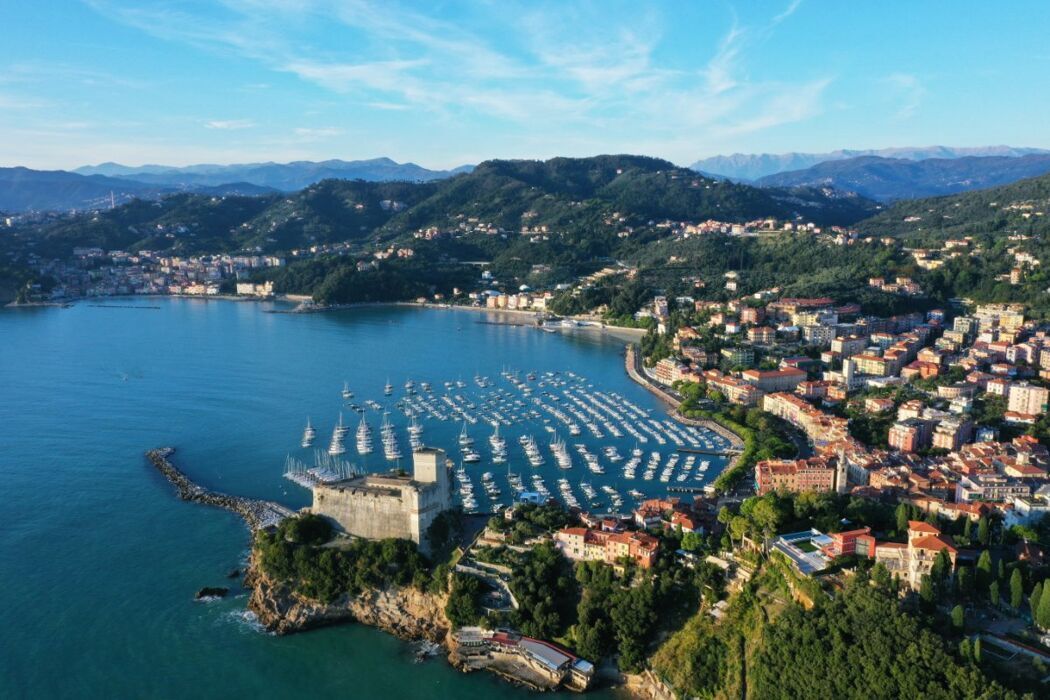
(257, 514)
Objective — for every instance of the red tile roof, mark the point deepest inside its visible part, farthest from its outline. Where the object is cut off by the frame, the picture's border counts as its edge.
(921, 526)
(934, 542)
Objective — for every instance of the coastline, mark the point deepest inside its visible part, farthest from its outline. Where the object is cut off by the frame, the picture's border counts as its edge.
(303, 306)
(631, 364)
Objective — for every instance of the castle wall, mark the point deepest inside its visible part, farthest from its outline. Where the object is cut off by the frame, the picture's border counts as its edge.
(397, 508)
(366, 513)
(427, 504)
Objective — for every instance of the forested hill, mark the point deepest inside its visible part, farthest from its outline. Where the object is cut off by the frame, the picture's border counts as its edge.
(570, 196)
(333, 210)
(1020, 207)
(566, 192)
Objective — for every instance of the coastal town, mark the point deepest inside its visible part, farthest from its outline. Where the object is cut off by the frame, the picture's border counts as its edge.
(654, 351)
(914, 440)
(923, 431)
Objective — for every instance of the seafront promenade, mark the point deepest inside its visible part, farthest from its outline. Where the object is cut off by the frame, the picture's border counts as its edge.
(633, 365)
(256, 513)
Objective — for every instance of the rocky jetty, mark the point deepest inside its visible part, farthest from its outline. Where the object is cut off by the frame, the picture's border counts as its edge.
(402, 611)
(258, 514)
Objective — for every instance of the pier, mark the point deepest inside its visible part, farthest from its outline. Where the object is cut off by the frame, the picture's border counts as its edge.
(687, 489)
(727, 452)
(257, 514)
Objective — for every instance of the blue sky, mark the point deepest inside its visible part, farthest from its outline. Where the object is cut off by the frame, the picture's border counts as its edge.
(446, 83)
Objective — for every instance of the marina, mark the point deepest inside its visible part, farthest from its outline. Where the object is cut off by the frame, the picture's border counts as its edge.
(516, 406)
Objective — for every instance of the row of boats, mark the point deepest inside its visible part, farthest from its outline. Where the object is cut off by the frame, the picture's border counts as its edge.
(552, 402)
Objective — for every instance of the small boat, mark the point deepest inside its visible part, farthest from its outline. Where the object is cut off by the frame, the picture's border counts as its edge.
(308, 434)
(388, 389)
(464, 437)
(347, 394)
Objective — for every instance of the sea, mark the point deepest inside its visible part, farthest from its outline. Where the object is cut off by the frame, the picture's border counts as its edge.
(99, 562)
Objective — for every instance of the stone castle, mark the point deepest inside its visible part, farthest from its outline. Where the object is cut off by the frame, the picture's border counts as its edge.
(378, 506)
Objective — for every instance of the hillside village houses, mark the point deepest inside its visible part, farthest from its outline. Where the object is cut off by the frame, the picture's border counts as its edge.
(93, 272)
(939, 456)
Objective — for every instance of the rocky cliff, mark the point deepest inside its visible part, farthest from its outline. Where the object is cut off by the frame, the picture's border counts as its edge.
(405, 612)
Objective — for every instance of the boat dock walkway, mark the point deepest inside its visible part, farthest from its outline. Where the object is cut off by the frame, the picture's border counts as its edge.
(687, 489)
(727, 452)
(256, 513)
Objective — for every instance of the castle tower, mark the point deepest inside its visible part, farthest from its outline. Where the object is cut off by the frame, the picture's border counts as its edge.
(433, 495)
(428, 466)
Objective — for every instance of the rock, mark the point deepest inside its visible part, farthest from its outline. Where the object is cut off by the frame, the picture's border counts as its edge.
(211, 592)
(234, 573)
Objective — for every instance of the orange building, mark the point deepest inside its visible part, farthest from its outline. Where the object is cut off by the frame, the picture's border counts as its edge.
(581, 544)
(796, 475)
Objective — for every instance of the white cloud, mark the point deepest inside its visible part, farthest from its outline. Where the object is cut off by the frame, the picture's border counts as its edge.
(909, 90)
(567, 74)
(229, 124)
(317, 133)
(788, 11)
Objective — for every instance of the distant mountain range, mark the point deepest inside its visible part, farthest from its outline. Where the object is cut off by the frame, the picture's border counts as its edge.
(96, 186)
(23, 189)
(892, 179)
(748, 166)
(287, 177)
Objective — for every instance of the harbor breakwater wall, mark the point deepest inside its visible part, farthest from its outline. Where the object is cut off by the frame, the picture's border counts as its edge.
(256, 513)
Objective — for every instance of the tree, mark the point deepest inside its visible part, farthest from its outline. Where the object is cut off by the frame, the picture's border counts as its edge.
(725, 515)
(634, 617)
(881, 576)
(902, 518)
(983, 531)
(993, 593)
(445, 530)
(1016, 590)
(966, 649)
(977, 649)
(462, 606)
(967, 531)
(928, 592)
(984, 569)
(1042, 616)
(941, 570)
(1033, 599)
(958, 618)
(692, 541)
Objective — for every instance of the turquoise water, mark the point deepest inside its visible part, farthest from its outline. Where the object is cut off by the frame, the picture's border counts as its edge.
(99, 562)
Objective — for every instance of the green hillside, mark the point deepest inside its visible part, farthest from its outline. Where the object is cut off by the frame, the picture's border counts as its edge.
(1021, 207)
(573, 197)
